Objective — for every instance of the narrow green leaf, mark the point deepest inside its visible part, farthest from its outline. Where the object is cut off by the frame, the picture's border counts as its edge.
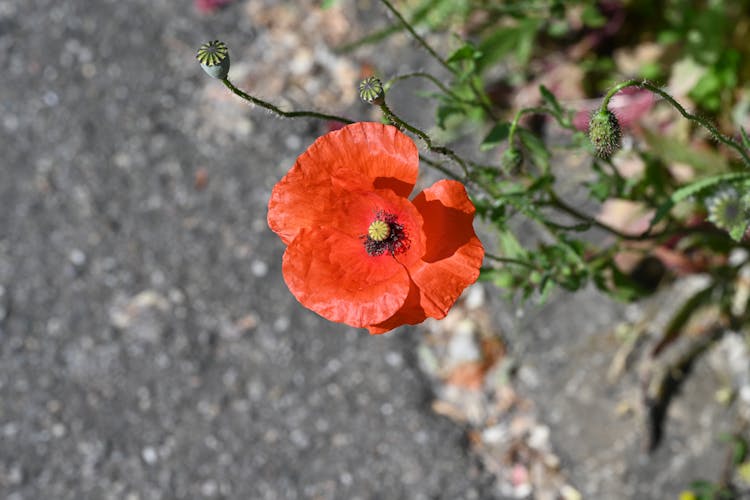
(497, 136)
(693, 189)
(550, 99)
(539, 154)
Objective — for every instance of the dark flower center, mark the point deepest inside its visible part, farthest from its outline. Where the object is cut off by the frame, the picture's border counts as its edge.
(385, 234)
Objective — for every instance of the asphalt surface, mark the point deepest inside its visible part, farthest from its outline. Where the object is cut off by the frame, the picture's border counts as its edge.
(149, 348)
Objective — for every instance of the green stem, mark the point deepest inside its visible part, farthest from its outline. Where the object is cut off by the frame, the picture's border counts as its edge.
(418, 38)
(422, 74)
(443, 150)
(533, 109)
(280, 112)
(439, 167)
(508, 260)
(481, 97)
(558, 203)
(517, 118)
(697, 119)
(320, 116)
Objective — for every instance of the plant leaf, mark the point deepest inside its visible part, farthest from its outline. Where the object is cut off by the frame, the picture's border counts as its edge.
(550, 99)
(497, 135)
(536, 147)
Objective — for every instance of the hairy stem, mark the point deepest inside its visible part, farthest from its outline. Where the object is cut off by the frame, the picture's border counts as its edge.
(280, 112)
(427, 76)
(697, 119)
(416, 36)
(482, 100)
(443, 150)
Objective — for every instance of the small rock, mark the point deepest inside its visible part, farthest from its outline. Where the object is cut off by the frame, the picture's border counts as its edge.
(141, 316)
(259, 268)
(149, 455)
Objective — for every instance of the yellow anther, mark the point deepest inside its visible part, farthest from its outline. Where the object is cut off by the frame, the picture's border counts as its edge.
(379, 230)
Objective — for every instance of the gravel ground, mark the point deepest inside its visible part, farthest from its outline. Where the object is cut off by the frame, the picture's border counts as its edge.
(148, 345)
(149, 348)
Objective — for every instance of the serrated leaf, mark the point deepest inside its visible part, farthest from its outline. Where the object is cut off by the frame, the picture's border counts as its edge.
(496, 136)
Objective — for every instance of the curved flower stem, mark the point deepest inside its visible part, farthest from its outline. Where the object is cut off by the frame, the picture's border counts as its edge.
(418, 38)
(697, 119)
(319, 116)
(443, 150)
(517, 118)
(558, 203)
(439, 167)
(280, 112)
(533, 109)
(481, 97)
(423, 74)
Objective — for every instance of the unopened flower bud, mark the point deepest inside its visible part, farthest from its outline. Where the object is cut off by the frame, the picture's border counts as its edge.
(511, 160)
(605, 133)
(214, 59)
(371, 91)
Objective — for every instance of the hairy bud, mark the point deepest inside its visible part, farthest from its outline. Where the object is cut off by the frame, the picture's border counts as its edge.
(605, 133)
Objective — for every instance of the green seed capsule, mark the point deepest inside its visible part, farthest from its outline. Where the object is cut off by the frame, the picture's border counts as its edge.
(214, 59)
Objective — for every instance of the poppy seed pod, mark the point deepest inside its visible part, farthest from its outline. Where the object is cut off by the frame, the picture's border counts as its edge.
(726, 209)
(214, 59)
(605, 133)
(371, 91)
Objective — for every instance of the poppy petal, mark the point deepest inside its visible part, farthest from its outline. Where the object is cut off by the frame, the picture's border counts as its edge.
(410, 313)
(365, 155)
(330, 272)
(361, 156)
(453, 253)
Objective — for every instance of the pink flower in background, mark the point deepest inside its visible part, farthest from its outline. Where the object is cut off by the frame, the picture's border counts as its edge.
(210, 6)
(629, 105)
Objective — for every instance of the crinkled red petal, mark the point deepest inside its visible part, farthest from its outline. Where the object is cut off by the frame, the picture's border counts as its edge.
(362, 156)
(329, 270)
(453, 254)
(452, 257)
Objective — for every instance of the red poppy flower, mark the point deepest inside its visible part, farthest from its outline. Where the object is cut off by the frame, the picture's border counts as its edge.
(359, 251)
